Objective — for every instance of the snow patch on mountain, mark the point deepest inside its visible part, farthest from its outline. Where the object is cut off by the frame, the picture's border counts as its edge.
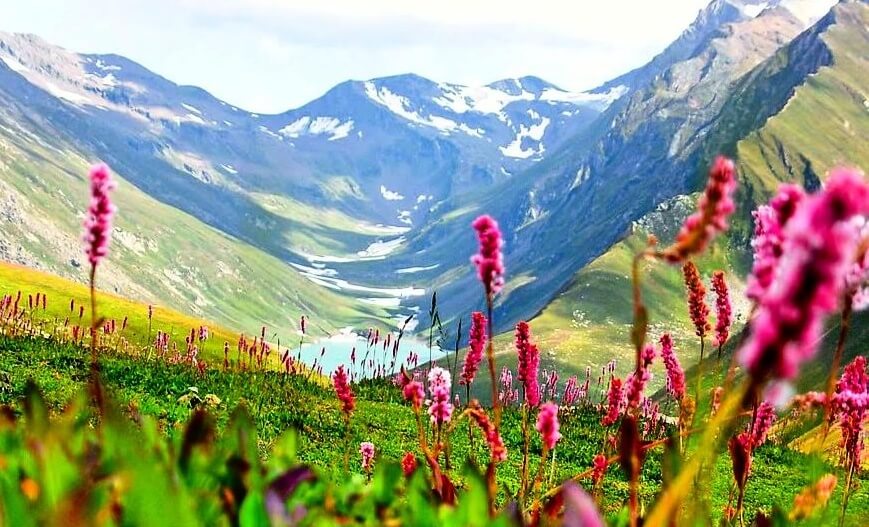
(752, 10)
(534, 132)
(381, 249)
(411, 270)
(808, 11)
(479, 99)
(14, 64)
(583, 98)
(106, 67)
(331, 126)
(191, 108)
(401, 106)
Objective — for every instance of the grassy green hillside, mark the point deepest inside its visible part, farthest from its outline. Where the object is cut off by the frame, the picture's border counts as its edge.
(160, 255)
(61, 292)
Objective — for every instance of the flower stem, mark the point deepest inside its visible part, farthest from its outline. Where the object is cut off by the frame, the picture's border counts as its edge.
(844, 329)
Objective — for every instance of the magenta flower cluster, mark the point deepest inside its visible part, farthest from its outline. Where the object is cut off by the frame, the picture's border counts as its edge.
(98, 218)
(439, 384)
(343, 390)
(476, 344)
(713, 210)
(675, 373)
(529, 363)
(615, 402)
(366, 449)
(723, 308)
(818, 246)
(851, 407)
(493, 437)
(547, 425)
(636, 382)
(489, 260)
(769, 224)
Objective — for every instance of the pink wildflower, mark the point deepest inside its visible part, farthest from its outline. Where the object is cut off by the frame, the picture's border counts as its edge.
(489, 260)
(763, 420)
(675, 373)
(343, 391)
(408, 464)
(529, 362)
(769, 224)
(697, 308)
(476, 343)
(366, 449)
(414, 393)
(723, 309)
(819, 245)
(439, 383)
(615, 402)
(599, 464)
(713, 210)
(493, 437)
(851, 406)
(98, 219)
(547, 425)
(636, 382)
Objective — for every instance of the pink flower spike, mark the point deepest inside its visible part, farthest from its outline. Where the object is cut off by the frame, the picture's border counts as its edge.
(366, 449)
(489, 260)
(343, 390)
(819, 244)
(769, 223)
(713, 210)
(98, 218)
(529, 363)
(408, 464)
(547, 425)
(615, 402)
(476, 344)
(723, 309)
(675, 373)
(493, 438)
(697, 308)
(439, 383)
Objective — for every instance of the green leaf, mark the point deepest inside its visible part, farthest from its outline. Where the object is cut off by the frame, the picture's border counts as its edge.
(253, 511)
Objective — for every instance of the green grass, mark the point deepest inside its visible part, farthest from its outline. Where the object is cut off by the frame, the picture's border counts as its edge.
(60, 292)
(151, 388)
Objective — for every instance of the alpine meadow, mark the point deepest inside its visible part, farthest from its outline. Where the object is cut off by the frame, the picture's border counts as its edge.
(412, 302)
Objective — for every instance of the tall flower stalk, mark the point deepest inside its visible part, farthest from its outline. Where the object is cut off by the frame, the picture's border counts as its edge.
(348, 403)
(699, 313)
(528, 372)
(723, 310)
(97, 237)
(489, 261)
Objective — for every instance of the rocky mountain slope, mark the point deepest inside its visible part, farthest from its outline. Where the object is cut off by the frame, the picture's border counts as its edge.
(792, 118)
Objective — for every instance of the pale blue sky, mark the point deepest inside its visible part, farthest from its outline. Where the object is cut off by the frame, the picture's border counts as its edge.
(273, 55)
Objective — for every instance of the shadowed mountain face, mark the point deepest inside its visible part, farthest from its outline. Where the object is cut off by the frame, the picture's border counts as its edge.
(358, 204)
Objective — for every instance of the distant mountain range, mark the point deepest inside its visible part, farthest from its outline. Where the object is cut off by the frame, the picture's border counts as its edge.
(355, 207)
